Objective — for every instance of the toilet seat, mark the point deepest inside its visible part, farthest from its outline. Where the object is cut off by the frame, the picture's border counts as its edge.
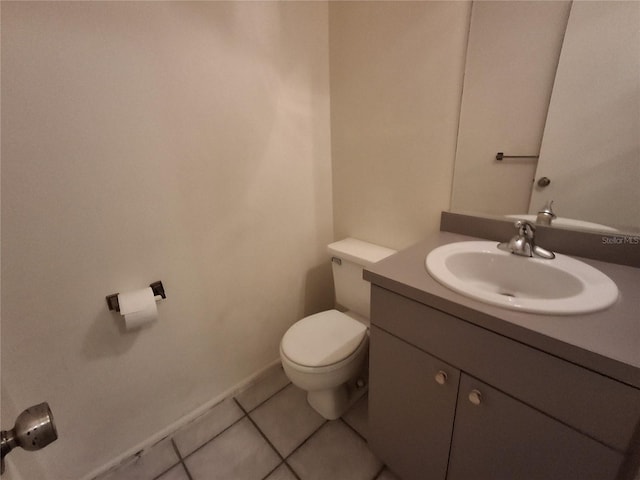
(323, 340)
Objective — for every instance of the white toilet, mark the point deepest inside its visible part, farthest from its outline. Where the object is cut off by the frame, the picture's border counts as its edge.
(324, 352)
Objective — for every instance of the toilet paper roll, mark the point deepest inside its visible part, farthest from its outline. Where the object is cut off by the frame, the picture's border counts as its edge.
(138, 308)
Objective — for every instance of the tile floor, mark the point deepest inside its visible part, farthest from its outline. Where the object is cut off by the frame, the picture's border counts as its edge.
(267, 432)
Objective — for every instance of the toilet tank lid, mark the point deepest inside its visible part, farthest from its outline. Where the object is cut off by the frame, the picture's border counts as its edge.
(358, 251)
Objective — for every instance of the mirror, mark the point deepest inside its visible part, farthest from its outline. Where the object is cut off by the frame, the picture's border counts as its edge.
(561, 80)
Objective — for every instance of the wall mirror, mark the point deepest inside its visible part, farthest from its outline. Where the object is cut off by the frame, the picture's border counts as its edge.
(567, 89)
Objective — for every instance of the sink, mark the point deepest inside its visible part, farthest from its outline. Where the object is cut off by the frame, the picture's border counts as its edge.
(568, 223)
(562, 286)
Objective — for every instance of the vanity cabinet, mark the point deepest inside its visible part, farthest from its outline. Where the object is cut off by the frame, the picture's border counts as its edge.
(451, 400)
(413, 396)
(498, 437)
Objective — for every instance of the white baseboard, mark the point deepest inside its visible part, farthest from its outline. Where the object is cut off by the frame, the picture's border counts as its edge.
(144, 446)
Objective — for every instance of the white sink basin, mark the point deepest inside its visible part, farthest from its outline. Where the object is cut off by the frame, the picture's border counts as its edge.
(562, 286)
(568, 223)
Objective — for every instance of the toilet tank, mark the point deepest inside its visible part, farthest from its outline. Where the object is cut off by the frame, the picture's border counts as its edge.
(349, 257)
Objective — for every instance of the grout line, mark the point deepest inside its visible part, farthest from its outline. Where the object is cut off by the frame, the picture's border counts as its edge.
(351, 427)
(171, 467)
(306, 439)
(258, 428)
(245, 414)
(215, 436)
(263, 401)
(184, 465)
(300, 445)
(287, 466)
(266, 439)
(186, 470)
(377, 475)
(293, 472)
(273, 470)
(160, 475)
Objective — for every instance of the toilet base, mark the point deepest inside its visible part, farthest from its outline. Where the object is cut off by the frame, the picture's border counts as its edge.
(334, 402)
(331, 403)
(331, 392)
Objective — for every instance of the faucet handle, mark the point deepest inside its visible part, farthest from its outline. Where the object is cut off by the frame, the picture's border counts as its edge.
(523, 243)
(525, 229)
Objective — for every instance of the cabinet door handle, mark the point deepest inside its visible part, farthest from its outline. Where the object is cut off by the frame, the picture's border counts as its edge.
(441, 377)
(475, 397)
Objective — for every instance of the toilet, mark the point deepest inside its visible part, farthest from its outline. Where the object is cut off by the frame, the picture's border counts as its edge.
(325, 353)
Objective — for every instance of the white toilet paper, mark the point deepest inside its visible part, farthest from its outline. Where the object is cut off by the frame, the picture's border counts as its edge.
(138, 308)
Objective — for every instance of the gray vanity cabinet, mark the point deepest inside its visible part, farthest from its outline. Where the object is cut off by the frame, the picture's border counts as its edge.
(412, 397)
(499, 438)
(451, 400)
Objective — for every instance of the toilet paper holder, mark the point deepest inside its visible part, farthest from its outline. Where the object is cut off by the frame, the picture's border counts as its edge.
(156, 287)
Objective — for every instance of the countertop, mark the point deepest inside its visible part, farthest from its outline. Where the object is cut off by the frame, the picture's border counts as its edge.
(607, 342)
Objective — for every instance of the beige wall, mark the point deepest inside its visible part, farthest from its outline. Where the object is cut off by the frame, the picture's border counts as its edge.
(189, 142)
(396, 80)
(511, 64)
(182, 142)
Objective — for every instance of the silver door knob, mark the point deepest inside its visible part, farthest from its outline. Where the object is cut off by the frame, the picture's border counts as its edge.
(544, 182)
(475, 397)
(441, 377)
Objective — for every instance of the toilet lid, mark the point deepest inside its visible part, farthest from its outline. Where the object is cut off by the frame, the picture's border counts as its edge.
(323, 339)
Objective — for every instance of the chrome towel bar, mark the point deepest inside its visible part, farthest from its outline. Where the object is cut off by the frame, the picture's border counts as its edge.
(501, 155)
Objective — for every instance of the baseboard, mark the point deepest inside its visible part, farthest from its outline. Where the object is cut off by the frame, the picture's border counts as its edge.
(143, 447)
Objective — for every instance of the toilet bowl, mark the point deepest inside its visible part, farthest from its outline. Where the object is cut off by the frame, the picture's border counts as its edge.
(320, 354)
(325, 353)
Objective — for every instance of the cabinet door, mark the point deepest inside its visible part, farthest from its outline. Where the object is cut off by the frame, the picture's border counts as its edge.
(496, 437)
(412, 398)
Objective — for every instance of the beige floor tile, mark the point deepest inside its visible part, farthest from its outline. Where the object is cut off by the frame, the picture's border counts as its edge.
(281, 473)
(207, 426)
(257, 393)
(157, 460)
(239, 453)
(335, 452)
(176, 473)
(358, 416)
(287, 419)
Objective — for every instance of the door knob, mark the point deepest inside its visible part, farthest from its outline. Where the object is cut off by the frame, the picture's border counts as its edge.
(34, 429)
(544, 182)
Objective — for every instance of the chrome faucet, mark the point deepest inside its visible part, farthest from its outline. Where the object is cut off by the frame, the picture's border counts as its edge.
(524, 244)
(546, 215)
